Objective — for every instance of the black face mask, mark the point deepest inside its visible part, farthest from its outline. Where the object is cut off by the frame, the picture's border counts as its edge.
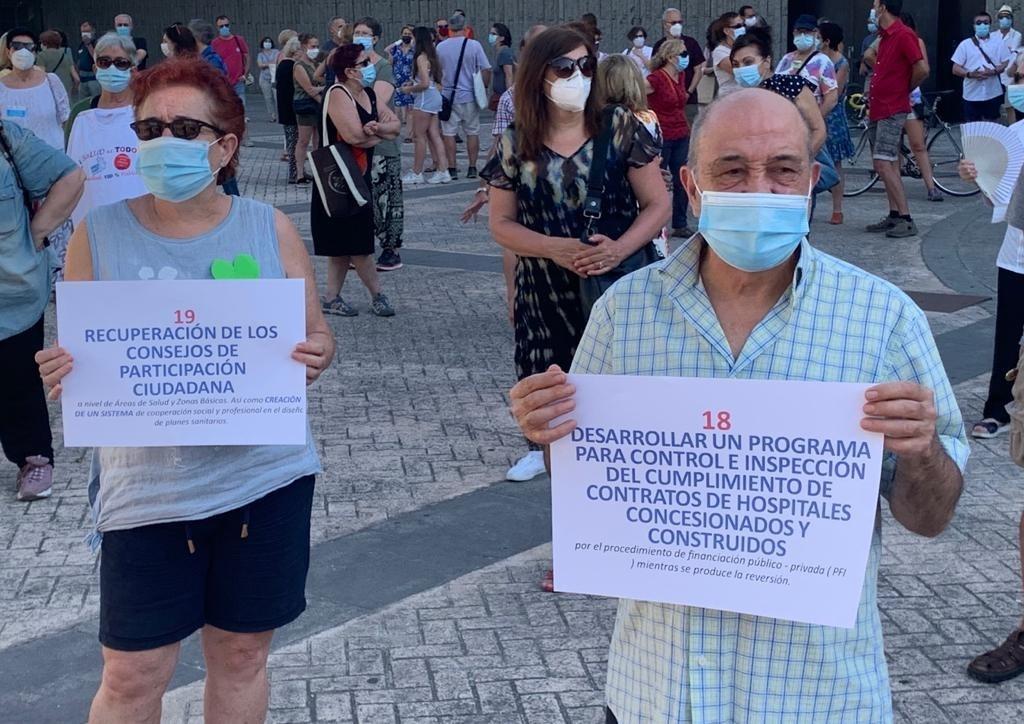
(406, 39)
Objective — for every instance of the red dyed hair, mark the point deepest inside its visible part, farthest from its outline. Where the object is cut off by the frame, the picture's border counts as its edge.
(344, 58)
(226, 110)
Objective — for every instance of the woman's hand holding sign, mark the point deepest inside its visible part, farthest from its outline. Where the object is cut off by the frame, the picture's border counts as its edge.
(54, 365)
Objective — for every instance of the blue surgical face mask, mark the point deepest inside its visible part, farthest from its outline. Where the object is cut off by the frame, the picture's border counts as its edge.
(124, 31)
(817, 43)
(369, 75)
(738, 33)
(1015, 94)
(982, 30)
(872, 28)
(747, 76)
(174, 169)
(492, 39)
(113, 80)
(224, 30)
(753, 232)
(363, 40)
(682, 62)
(1005, 23)
(803, 43)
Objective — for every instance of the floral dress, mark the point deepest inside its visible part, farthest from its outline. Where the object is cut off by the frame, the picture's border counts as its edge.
(401, 65)
(550, 192)
(840, 145)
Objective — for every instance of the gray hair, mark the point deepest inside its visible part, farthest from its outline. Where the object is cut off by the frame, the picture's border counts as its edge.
(669, 11)
(202, 29)
(131, 21)
(457, 22)
(113, 40)
(291, 46)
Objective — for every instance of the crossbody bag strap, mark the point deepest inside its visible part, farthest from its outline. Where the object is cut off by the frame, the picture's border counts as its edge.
(982, 51)
(458, 71)
(598, 162)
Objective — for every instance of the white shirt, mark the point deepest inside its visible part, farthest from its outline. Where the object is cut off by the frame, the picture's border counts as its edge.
(1011, 253)
(1012, 40)
(726, 80)
(642, 59)
(968, 55)
(41, 109)
(102, 143)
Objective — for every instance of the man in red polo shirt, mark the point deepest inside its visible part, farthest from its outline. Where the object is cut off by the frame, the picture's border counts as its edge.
(899, 68)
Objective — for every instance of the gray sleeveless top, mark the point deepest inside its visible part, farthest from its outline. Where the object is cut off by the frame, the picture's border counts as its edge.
(137, 486)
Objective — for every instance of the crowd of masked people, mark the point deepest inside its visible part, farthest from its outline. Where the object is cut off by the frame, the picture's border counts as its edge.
(596, 163)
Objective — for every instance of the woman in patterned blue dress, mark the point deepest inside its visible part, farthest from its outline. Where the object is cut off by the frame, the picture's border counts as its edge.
(840, 145)
(400, 53)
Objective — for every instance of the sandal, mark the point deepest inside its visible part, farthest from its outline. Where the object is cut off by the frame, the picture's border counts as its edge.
(837, 218)
(989, 428)
(303, 180)
(547, 584)
(1000, 664)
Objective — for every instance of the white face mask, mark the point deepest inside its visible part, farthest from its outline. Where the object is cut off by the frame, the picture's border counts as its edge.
(313, 53)
(167, 50)
(268, 45)
(570, 94)
(751, 21)
(638, 41)
(23, 59)
(676, 30)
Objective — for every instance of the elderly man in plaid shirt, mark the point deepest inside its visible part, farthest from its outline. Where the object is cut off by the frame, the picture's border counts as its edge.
(794, 314)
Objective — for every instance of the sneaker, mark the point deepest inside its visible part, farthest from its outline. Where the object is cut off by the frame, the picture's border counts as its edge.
(381, 306)
(339, 307)
(902, 229)
(441, 177)
(389, 260)
(471, 172)
(412, 179)
(989, 428)
(936, 195)
(454, 173)
(884, 224)
(527, 467)
(35, 479)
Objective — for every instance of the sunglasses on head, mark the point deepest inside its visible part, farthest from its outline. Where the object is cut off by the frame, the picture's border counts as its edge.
(565, 67)
(105, 61)
(23, 45)
(186, 128)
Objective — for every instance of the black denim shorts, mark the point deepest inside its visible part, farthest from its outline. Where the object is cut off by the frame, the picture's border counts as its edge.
(243, 571)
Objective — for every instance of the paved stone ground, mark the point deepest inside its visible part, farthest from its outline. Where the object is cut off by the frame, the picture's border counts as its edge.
(414, 412)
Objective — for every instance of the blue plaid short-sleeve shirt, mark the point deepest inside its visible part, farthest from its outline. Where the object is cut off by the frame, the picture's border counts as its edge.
(835, 323)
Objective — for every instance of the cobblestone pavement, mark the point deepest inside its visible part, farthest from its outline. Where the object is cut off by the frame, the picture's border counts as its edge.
(414, 412)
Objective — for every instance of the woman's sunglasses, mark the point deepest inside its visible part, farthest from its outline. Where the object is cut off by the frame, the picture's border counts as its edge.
(186, 128)
(105, 61)
(565, 67)
(23, 45)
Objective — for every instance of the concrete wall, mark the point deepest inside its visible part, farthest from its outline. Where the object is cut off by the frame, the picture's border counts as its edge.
(256, 18)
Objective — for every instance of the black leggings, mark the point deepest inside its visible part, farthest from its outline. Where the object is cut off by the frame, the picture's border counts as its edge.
(1009, 326)
(609, 718)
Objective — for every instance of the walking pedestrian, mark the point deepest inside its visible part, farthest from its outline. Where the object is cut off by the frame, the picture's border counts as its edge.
(179, 42)
(124, 26)
(1013, 40)
(28, 165)
(306, 101)
(224, 554)
(666, 87)
(354, 117)
(900, 65)
(386, 170)
(425, 89)
(665, 660)
(267, 60)
(56, 58)
(86, 79)
(724, 32)
(458, 88)
(284, 76)
(840, 144)
(503, 77)
(100, 137)
(538, 183)
(980, 60)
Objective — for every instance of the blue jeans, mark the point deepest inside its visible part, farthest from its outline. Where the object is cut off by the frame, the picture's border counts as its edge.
(240, 91)
(673, 158)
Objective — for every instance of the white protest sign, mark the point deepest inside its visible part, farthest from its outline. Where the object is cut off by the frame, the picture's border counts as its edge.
(183, 362)
(757, 497)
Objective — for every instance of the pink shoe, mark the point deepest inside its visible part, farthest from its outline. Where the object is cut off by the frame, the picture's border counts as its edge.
(35, 479)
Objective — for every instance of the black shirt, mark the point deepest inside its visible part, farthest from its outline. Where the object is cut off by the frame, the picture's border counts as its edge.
(285, 80)
(140, 44)
(84, 61)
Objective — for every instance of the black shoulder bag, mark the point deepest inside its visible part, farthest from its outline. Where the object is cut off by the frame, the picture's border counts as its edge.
(448, 101)
(339, 181)
(595, 222)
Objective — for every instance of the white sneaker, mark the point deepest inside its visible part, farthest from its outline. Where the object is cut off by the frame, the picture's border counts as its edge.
(528, 467)
(440, 177)
(412, 179)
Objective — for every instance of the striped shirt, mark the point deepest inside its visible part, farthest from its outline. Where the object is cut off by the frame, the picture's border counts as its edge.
(835, 323)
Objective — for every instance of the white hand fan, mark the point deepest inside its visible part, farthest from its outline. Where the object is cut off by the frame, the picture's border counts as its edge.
(998, 154)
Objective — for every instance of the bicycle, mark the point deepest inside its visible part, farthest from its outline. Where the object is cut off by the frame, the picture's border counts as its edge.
(944, 150)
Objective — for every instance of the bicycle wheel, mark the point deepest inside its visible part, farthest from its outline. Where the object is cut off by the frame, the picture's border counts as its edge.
(860, 170)
(945, 152)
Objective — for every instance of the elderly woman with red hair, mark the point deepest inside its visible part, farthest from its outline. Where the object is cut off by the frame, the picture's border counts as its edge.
(214, 539)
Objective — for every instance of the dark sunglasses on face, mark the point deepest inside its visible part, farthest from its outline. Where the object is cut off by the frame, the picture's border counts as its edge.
(736, 27)
(23, 45)
(105, 61)
(186, 128)
(565, 67)
(684, 54)
(364, 63)
(442, 27)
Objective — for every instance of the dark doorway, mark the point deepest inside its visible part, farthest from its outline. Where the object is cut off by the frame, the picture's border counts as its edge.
(25, 13)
